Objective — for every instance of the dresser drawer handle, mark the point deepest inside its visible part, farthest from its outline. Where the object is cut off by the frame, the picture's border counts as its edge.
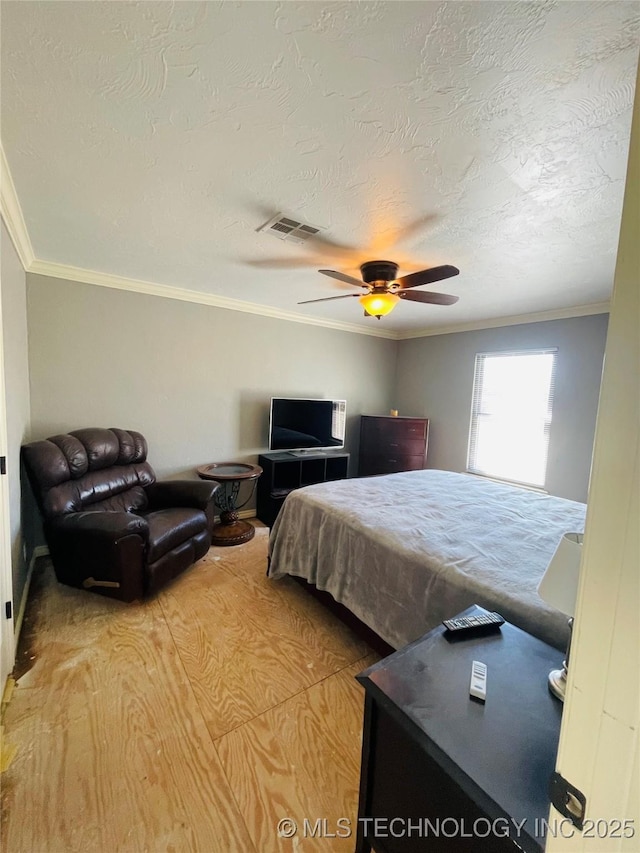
(393, 445)
(392, 460)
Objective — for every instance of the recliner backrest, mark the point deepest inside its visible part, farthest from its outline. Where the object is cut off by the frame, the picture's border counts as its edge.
(89, 469)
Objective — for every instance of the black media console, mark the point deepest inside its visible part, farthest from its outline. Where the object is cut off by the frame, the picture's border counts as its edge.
(285, 471)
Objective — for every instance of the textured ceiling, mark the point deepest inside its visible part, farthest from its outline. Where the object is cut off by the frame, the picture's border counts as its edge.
(151, 140)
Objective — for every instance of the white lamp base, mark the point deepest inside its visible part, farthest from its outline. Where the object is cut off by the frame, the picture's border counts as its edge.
(558, 677)
(558, 683)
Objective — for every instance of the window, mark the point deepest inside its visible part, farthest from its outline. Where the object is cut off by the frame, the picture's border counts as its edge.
(511, 415)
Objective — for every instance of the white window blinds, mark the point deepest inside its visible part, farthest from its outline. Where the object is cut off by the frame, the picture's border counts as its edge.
(511, 415)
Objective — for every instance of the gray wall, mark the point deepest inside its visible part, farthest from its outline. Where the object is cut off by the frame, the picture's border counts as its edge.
(16, 367)
(195, 380)
(435, 380)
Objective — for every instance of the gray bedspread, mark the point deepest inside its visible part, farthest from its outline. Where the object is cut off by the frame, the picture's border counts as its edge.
(404, 551)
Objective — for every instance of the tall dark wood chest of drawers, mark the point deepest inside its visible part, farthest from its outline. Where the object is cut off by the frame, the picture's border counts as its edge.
(389, 444)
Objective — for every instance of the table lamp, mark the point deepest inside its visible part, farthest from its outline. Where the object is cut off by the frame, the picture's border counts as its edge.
(559, 587)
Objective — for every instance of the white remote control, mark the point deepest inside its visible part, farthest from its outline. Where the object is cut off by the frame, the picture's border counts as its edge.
(478, 686)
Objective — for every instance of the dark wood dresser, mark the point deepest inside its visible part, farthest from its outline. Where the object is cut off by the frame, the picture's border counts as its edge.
(391, 444)
(444, 773)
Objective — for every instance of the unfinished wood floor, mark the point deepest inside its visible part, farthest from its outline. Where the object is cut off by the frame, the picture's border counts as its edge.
(192, 722)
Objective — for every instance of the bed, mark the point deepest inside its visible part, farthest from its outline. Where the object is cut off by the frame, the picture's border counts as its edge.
(404, 551)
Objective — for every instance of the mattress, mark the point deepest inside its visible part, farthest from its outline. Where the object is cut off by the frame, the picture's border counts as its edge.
(404, 551)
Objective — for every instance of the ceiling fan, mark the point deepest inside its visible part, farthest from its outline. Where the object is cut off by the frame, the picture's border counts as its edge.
(384, 290)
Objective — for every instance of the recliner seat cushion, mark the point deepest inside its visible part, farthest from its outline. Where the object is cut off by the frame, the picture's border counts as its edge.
(169, 528)
(176, 561)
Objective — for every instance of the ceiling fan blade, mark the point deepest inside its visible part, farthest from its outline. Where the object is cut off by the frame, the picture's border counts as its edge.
(328, 298)
(342, 277)
(415, 279)
(337, 250)
(427, 296)
(416, 228)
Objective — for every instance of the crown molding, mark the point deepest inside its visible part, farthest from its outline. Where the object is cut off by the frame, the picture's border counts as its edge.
(12, 214)
(514, 320)
(54, 270)
(166, 291)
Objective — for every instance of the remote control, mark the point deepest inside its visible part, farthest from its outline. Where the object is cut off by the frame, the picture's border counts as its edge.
(478, 686)
(474, 624)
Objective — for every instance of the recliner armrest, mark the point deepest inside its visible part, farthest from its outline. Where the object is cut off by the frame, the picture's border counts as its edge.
(183, 493)
(109, 526)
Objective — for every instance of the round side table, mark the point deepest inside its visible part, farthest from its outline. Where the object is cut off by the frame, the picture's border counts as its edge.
(230, 530)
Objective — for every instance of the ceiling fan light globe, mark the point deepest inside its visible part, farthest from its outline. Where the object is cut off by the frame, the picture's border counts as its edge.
(379, 304)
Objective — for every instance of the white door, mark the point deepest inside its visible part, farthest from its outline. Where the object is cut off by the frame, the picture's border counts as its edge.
(7, 652)
(598, 752)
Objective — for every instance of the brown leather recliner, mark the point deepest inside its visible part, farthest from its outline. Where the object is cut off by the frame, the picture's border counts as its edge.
(109, 526)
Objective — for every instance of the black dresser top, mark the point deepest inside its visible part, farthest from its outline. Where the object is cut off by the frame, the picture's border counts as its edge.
(502, 753)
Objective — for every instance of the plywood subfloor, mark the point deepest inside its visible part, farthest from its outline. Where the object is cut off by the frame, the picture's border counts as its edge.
(192, 722)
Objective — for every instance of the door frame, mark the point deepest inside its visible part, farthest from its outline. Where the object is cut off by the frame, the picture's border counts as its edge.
(599, 738)
(7, 637)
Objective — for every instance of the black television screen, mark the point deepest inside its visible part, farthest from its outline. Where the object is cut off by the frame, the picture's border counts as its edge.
(298, 424)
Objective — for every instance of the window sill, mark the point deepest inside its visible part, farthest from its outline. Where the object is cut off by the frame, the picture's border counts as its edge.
(526, 486)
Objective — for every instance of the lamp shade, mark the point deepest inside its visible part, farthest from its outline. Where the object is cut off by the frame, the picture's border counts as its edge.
(559, 584)
(379, 304)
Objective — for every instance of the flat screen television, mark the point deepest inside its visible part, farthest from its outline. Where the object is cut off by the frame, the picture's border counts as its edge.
(300, 425)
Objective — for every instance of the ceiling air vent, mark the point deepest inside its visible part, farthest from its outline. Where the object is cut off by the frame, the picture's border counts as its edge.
(292, 230)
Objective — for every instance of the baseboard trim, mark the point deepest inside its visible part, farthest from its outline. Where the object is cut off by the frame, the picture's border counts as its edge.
(38, 551)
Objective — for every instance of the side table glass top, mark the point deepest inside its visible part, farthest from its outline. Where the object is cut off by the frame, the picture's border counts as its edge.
(229, 471)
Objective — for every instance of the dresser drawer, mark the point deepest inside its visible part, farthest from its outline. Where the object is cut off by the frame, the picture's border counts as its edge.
(389, 463)
(390, 429)
(394, 446)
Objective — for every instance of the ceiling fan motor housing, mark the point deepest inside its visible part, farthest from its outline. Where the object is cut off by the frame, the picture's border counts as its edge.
(379, 271)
